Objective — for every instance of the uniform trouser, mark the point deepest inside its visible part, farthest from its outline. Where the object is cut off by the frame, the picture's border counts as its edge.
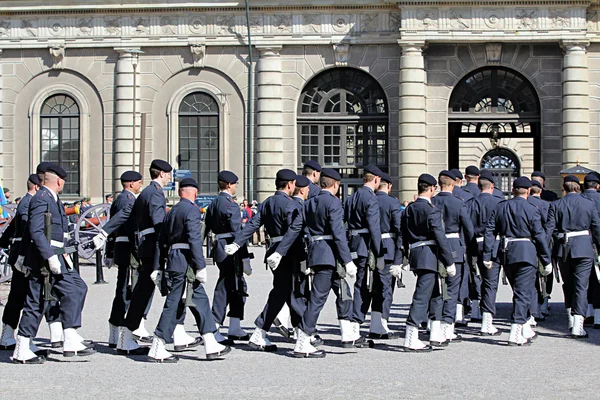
(576, 278)
(324, 280)
(427, 297)
(226, 293)
(383, 291)
(594, 291)
(475, 281)
(465, 279)
(489, 288)
(453, 284)
(121, 301)
(522, 280)
(141, 296)
(67, 288)
(174, 309)
(362, 295)
(283, 292)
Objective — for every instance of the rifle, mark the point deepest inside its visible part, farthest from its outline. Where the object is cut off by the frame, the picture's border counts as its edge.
(341, 271)
(45, 270)
(371, 267)
(443, 274)
(190, 277)
(543, 281)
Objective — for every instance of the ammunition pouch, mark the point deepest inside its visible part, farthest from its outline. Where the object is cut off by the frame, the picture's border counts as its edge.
(190, 278)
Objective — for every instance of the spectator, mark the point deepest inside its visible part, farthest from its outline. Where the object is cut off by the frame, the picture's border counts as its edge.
(404, 205)
(7, 195)
(108, 199)
(17, 200)
(248, 209)
(254, 207)
(86, 203)
(245, 215)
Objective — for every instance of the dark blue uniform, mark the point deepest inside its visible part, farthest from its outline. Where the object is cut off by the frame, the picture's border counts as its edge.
(472, 188)
(180, 245)
(459, 231)
(498, 193)
(548, 195)
(148, 212)
(570, 214)
(461, 193)
(223, 219)
(313, 189)
(423, 234)
(543, 207)
(484, 287)
(594, 289)
(519, 225)
(68, 286)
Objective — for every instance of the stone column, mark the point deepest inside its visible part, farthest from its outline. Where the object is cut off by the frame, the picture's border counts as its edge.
(576, 105)
(412, 142)
(269, 121)
(124, 108)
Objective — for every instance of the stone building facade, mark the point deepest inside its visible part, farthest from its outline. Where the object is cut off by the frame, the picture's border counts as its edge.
(412, 86)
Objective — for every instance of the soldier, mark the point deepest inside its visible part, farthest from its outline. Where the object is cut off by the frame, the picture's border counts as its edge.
(590, 183)
(518, 223)
(459, 230)
(50, 257)
(480, 209)
(547, 195)
(391, 242)
(497, 192)
(18, 283)
(222, 219)
(540, 303)
(312, 170)
(472, 177)
(180, 244)
(361, 213)
(458, 190)
(430, 254)
(118, 230)
(328, 257)
(571, 221)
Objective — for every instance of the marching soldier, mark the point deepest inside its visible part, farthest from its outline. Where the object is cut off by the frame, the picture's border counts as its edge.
(52, 272)
(571, 221)
(497, 192)
(472, 176)
(459, 230)
(540, 303)
(458, 191)
(328, 257)
(180, 244)
(223, 220)
(361, 213)
(518, 223)
(430, 254)
(590, 183)
(547, 195)
(312, 170)
(480, 209)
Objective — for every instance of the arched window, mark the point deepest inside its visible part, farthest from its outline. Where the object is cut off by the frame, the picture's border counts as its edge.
(504, 166)
(60, 137)
(199, 139)
(343, 121)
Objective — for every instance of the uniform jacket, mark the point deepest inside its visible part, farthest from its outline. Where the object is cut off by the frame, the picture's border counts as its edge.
(149, 211)
(456, 220)
(362, 211)
(222, 216)
(548, 195)
(313, 189)
(498, 193)
(480, 210)
(121, 224)
(20, 220)
(543, 206)
(389, 217)
(472, 188)
(461, 194)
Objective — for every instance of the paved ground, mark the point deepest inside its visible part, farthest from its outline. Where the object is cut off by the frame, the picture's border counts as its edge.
(552, 368)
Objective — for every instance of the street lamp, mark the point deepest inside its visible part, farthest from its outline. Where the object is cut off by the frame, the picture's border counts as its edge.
(134, 62)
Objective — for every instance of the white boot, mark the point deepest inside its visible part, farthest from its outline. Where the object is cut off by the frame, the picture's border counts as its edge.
(346, 331)
(56, 334)
(23, 353)
(259, 341)
(532, 322)
(355, 330)
(141, 333)
(376, 326)
(7, 340)
(182, 341)
(412, 342)
(516, 337)
(303, 347)
(528, 332)
(284, 317)
(219, 338)
(436, 336)
(570, 318)
(235, 330)
(459, 313)
(113, 335)
(127, 345)
(448, 332)
(487, 325)
(475, 313)
(73, 345)
(213, 348)
(596, 318)
(577, 331)
(158, 352)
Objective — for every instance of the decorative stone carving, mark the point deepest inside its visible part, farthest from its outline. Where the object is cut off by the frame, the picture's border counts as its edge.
(58, 56)
(4, 28)
(113, 26)
(225, 24)
(494, 19)
(369, 23)
(197, 25)
(460, 19)
(341, 51)
(493, 53)
(55, 27)
(282, 23)
(168, 26)
(142, 26)
(312, 23)
(592, 19)
(198, 52)
(30, 27)
(257, 24)
(340, 23)
(395, 22)
(559, 17)
(427, 19)
(84, 27)
(527, 19)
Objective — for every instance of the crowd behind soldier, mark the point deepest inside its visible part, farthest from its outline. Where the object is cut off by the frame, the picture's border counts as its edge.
(459, 240)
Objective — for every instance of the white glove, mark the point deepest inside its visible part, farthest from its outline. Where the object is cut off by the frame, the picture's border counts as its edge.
(156, 277)
(231, 249)
(308, 271)
(54, 264)
(488, 264)
(273, 260)
(380, 263)
(100, 240)
(351, 269)
(547, 270)
(247, 267)
(406, 267)
(19, 263)
(201, 275)
(108, 263)
(396, 271)
(451, 270)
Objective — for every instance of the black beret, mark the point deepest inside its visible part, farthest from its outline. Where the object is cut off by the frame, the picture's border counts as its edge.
(487, 175)
(457, 173)
(187, 182)
(33, 178)
(227, 177)
(108, 196)
(386, 178)
(56, 170)
(447, 173)
(131, 176)
(161, 165)
(591, 177)
(522, 182)
(331, 173)
(286, 175)
(571, 178)
(42, 167)
(302, 181)
(596, 173)
(313, 164)
(538, 173)
(372, 169)
(472, 170)
(536, 183)
(428, 179)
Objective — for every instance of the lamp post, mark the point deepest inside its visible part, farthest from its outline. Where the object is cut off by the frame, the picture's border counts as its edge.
(134, 62)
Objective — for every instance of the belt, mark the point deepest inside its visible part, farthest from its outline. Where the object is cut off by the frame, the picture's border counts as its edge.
(423, 243)
(59, 248)
(356, 232)
(223, 236)
(179, 246)
(16, 239)
(454, 235)
(56, 243)
(573, 234)
(508, 240)
(320, 237)
(122, 239)
(276, 239)
(147, 231)
(388, 236)
(480, 239)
